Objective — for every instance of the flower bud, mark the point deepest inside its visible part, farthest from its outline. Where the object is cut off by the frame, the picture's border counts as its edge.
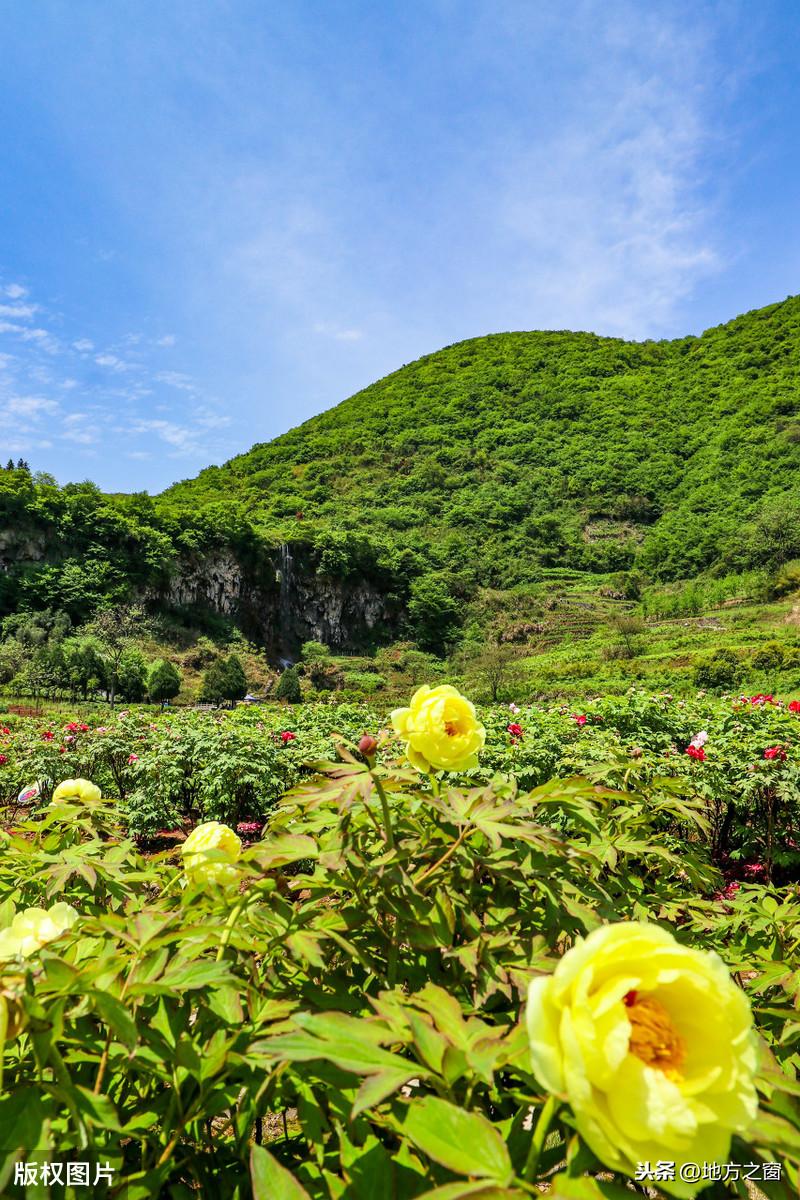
(368, 745)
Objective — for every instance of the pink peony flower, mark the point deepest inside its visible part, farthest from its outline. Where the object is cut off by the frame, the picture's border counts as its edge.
(3, 759)
(132, 758)
(513, 708)
(286, 736)
(579, 718)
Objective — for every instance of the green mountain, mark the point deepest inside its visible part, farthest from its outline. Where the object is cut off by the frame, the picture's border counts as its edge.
(502, 454)
(485, 464)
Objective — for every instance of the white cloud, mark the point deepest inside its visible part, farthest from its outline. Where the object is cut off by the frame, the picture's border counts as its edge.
(30, 406)
(339, 334)
(168, 339)
(176, 379)
(83, 345)
(21, 312)
(182, 437)
(14, 291)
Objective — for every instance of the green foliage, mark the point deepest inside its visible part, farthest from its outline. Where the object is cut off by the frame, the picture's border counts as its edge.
(314, 652)
(433, 611)
(366, 682)
(771, 657)
(132, 675)
(720, 670)
(288, 688)
(163, 680)
(681, 458)
(224, 680)
(670, 449)
(354, 1006)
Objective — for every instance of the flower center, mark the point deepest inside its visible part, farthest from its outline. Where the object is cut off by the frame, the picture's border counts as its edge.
(654, 1039)
(451, 728)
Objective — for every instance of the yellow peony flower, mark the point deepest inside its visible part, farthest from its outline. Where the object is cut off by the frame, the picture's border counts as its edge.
(653, 1046)
(34, 928)
(209, 853)
(81, 791)
(441, 730)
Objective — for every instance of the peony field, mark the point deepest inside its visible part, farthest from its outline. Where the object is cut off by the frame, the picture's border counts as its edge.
(325, 951)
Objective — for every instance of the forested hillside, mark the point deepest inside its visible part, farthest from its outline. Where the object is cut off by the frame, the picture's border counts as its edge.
(483, 464)
(504, 453)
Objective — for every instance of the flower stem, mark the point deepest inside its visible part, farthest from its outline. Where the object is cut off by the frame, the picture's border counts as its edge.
(539, 1134)
(387, 819)
(229, 924)
(443, 859)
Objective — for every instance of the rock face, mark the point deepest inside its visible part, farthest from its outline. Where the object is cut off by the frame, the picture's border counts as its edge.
(283, 601)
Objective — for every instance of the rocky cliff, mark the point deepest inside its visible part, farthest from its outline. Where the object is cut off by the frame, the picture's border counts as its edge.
(283, 600)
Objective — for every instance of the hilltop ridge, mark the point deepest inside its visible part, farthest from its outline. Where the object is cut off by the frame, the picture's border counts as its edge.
(482, 465)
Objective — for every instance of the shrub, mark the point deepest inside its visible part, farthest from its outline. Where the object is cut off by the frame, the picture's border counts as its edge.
(288, 688)
(363, 681)
(719, 671)
(771, 657)
(163, 681)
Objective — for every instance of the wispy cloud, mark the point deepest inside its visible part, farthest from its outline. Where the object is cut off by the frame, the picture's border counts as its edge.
(338, 333)
(78, 406)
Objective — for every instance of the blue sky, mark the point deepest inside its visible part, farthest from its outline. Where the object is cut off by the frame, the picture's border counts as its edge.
(220, 217)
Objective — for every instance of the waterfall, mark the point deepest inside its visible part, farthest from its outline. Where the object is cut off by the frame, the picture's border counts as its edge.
(284, 577)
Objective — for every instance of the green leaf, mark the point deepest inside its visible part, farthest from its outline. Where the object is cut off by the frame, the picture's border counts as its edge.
(464, 1142)
(116, 1017)
(270, 1180)
(96, 1110)
(376, 1088)
(477, 1189)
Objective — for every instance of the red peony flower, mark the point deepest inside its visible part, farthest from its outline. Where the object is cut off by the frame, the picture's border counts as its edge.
(83, 728)
(48, 735)
(696, 752)
(579, 718)
(775, 754)
(132, 758)
(794, 706)
(286, 736)
(6, 732)
(3, 759)
(246, 827)
(514, 729)
(72, 726)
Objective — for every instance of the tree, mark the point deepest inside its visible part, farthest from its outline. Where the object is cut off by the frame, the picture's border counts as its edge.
(629, 628)
(224, 680)
(289, 686)
(235, 678)
(496, 666)
(163, 681)
(84, 665)
(433, 611)
(132, 674)
(116, 628)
